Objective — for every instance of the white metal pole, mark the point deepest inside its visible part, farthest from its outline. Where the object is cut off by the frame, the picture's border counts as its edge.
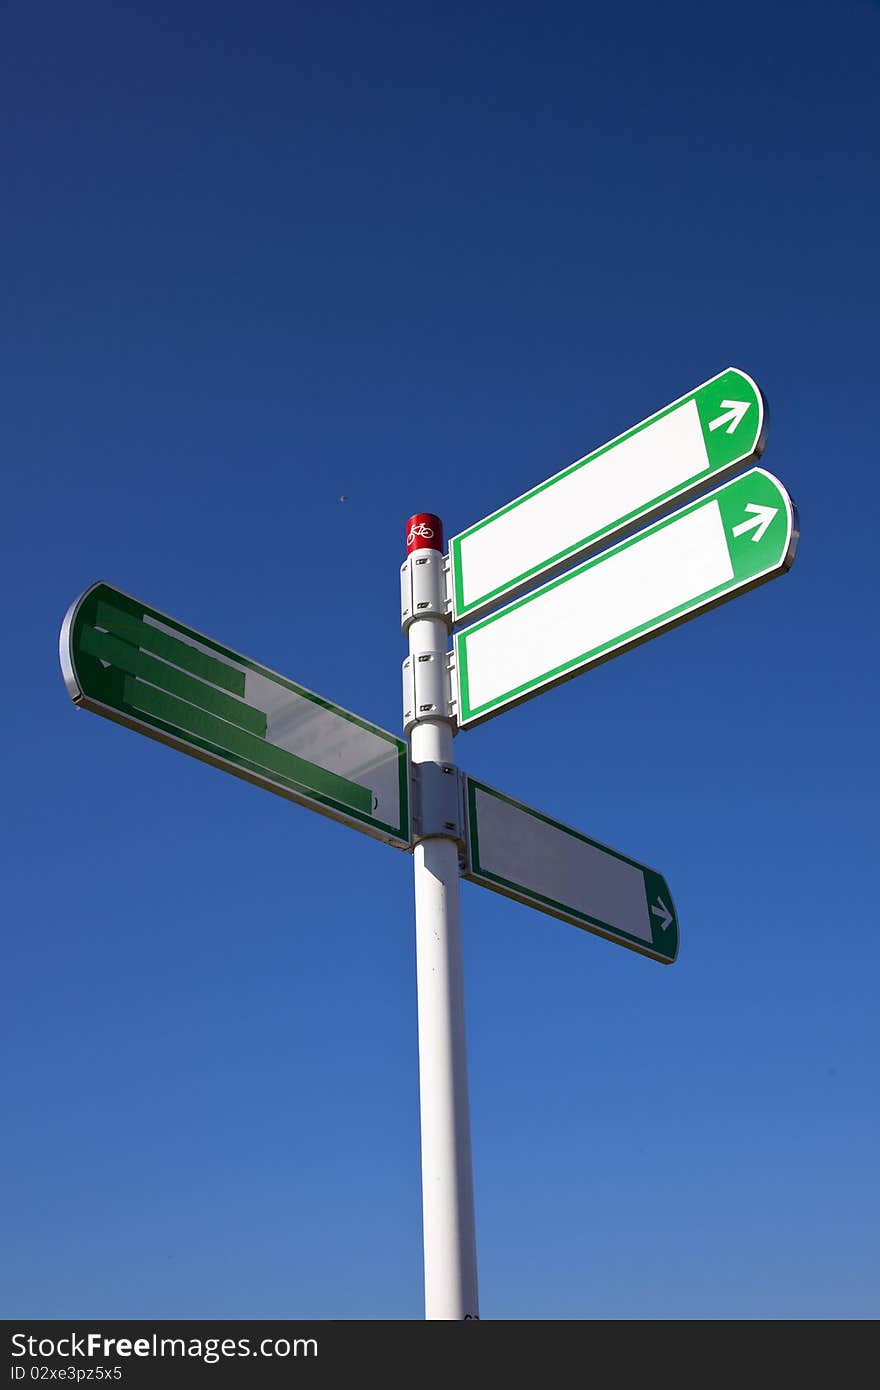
(447, 1177)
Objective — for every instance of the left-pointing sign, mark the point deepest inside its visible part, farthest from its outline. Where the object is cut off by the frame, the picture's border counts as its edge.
(140, 668)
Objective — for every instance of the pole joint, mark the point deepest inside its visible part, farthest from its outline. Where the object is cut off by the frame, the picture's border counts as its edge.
(424, 588)
(427, 688)
(438, 803)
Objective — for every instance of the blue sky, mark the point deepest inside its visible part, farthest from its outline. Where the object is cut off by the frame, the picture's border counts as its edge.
(426, 255)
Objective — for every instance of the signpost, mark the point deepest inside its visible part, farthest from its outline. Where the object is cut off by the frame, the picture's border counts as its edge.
(546, 865)
(740, 536)
(697, 441)
(145, 670)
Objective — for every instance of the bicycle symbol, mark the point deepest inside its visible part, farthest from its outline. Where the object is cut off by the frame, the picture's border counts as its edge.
(421, 529)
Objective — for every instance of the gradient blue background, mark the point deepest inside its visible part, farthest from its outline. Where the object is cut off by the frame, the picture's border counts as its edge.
(257, 256)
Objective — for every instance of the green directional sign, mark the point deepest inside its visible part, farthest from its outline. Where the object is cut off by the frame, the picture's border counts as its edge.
(544, 864)
(735, 538)
(696, 442)
(147, 671)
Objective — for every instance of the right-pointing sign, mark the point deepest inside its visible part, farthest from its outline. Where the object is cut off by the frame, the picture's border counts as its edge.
(696, 441)
(730, 541)
(544, 864)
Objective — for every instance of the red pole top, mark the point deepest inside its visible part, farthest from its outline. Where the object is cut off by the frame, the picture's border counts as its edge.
(424, 531)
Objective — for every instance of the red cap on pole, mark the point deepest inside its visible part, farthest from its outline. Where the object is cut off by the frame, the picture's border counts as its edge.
(424, 531)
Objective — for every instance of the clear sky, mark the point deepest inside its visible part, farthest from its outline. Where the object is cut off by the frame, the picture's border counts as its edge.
(425, 255)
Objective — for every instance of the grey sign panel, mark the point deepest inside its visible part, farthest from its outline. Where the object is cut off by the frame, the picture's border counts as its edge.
(525, 855)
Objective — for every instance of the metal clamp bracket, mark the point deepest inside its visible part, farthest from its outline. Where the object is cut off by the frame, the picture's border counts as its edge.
(427, 688)
(438, 803)
(424, 588)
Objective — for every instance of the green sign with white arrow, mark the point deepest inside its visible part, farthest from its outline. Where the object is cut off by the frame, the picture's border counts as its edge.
(735, 538)
(697, 441)
(140, 668)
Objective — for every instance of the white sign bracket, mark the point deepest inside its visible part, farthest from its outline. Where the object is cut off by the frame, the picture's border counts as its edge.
(425, 588)
(428, 687)
(438, 803)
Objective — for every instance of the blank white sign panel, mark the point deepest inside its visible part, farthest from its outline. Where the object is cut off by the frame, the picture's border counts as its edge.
(576, 618)
(585, 502)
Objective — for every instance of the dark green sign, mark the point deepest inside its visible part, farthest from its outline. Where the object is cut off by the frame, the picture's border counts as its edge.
(147, 671)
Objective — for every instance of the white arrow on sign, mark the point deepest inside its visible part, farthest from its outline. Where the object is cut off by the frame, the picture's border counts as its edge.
(662, 911)
(731, 416)
(761, 518)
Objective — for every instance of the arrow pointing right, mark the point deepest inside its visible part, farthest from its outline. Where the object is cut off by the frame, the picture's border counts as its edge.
(732, 413)
(761, 518)
(662, 911)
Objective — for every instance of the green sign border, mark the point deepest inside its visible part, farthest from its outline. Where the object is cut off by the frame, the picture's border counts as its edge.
(732, 588)
(154, 726)
(722, 462)
(655, 883)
